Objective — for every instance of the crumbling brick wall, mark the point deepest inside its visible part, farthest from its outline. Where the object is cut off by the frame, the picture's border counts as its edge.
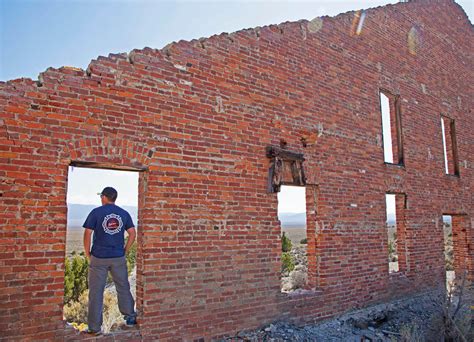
(195, 119)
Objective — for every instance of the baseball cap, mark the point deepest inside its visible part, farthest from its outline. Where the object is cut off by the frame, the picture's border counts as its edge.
(109, 192)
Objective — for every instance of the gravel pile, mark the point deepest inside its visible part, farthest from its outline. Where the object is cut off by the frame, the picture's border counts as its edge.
(412, 319)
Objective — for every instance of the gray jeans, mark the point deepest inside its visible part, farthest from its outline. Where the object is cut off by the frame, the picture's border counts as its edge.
(98, 270)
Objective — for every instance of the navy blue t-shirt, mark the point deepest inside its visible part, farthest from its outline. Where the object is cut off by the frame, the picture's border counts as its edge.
(109, 223)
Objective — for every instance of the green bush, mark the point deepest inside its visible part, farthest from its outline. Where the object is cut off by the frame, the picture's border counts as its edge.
(304, 241)
(287, 262)
(392, 251)
(76, 291)
(131, 257)
(76, 270)
(285, 243)
(75, 277)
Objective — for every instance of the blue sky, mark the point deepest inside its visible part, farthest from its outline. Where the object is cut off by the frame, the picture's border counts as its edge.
(37, 34)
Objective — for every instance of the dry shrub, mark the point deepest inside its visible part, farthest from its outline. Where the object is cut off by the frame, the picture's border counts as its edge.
(411, 333)
(112, 316)
(76, 312)
(455, 321)
(298, 279)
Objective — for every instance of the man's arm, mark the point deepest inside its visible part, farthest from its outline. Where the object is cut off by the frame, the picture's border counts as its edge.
(132, 233)
(87, 242)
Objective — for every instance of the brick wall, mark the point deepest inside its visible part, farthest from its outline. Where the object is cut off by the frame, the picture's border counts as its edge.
(196, 117)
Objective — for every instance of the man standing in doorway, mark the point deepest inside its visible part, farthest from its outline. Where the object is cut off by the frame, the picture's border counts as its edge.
(108, 223)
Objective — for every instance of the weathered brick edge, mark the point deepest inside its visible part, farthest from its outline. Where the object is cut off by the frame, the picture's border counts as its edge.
(197, 117)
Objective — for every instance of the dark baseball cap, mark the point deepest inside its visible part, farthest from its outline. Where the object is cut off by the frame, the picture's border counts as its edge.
(109, 192)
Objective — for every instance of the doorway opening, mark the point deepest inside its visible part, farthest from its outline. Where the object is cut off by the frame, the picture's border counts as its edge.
(83, 187)
(392, 242)
(294, 241)
(395, 206)
(448, 251)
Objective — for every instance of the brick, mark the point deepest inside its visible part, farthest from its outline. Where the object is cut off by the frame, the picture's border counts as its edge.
(201, 132)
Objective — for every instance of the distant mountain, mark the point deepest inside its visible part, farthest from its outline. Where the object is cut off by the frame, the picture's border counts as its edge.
(292, 219)
(77, 213)
(299, 219)
(391, 218)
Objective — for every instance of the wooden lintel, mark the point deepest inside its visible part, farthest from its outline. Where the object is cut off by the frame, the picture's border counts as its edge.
(107, 166)
(280, 158)
(273, 151)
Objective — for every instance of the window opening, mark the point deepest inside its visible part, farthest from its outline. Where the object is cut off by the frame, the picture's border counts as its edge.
(294, 241)
(451, 165)
(448, 251)
(391, 222)
(82, 188)
(391, 128)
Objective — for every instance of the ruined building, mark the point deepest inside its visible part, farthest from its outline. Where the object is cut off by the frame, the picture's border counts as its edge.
(214, 126)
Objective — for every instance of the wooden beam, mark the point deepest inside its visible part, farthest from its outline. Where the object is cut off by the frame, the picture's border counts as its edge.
(273, 151)
(107, 166)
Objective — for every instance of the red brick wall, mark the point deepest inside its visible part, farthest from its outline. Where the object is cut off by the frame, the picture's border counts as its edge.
(198, 116)
(462, 250)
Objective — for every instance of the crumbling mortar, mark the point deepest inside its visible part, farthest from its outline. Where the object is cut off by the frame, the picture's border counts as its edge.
(130, 57)
(230, 38)
(257, 32)
(304, 34)
(40, 81)
(166, 51)
(201, 42)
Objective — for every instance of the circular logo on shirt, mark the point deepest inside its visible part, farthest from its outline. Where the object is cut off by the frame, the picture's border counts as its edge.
(112, 224)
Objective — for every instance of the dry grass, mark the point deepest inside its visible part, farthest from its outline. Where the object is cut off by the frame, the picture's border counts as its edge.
(77, 311)
(74, 240)
(295, 233)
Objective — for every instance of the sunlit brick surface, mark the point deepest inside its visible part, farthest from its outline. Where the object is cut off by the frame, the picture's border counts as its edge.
(197, 116)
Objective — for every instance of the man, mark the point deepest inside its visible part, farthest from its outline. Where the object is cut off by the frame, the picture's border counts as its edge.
(108, 223)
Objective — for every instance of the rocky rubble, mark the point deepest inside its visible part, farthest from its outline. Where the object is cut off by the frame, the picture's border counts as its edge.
(412, 319)
(297, 278)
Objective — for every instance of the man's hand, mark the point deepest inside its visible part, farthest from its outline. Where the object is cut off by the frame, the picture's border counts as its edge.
(87, 243)
(132, 233)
